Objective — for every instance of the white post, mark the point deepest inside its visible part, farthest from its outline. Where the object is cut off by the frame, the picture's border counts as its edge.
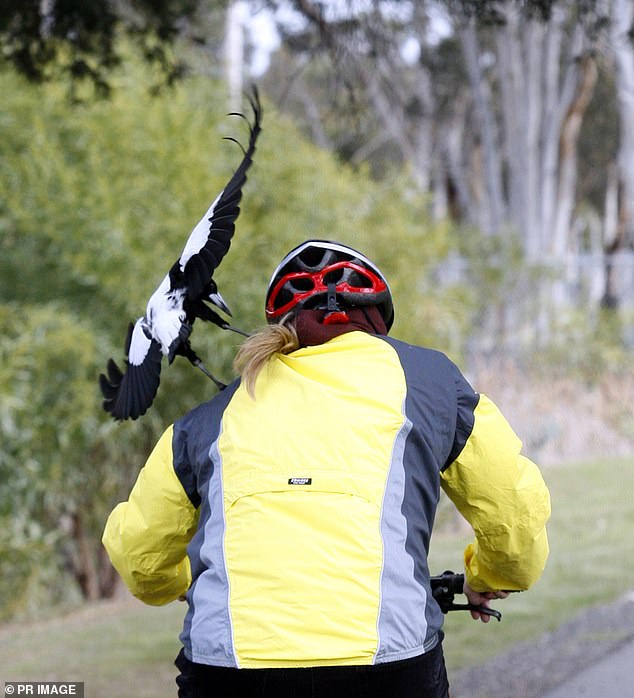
(234, 52)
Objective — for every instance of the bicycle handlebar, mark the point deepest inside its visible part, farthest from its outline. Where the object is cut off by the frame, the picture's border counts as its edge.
(445, 586)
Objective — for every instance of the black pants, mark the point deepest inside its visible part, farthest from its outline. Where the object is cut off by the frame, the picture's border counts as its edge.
(421, 677)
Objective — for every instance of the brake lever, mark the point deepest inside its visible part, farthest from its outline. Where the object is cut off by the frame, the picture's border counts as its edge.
(484, 610)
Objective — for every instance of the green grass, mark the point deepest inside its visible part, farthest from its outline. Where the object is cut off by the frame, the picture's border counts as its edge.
(120, 649)
(124, 649)
(591, 561)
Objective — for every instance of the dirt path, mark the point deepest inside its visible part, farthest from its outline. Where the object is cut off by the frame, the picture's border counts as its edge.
(583, 652)
(611, 677)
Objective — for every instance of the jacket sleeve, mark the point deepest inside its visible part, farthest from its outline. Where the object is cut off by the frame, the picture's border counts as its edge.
(147, 536)
(502, 494)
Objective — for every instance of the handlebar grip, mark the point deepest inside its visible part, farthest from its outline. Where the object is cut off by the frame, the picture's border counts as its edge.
(457, 583)
(452, 582)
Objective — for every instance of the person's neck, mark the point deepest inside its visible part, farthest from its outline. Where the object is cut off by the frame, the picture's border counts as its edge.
(313, 328)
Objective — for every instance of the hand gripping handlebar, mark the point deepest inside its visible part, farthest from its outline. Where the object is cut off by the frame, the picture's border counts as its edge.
(445, 586)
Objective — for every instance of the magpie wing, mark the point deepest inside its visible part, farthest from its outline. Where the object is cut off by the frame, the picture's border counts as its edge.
(128, 395)
(210, 240)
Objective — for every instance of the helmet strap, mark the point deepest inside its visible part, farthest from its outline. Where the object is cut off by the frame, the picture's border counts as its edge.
(332, 306)
(334, 314)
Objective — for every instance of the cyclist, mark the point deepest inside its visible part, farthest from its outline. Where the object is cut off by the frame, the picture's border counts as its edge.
(294, 510)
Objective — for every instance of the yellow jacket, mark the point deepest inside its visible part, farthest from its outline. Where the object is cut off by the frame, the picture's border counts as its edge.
(298, 524)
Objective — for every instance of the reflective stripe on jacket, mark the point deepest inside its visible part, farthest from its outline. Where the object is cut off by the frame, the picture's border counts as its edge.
(298, 523)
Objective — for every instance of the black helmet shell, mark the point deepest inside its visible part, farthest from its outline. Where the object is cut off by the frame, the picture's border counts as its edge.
(302, 278)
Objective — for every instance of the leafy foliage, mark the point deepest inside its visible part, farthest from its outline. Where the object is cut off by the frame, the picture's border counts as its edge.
(77, 42)
(55, 468)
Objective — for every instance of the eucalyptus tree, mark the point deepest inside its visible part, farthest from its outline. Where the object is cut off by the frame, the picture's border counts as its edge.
(618, 228)
(487, 112)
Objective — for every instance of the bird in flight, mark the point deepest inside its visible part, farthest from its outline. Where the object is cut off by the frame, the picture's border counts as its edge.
(181, 297)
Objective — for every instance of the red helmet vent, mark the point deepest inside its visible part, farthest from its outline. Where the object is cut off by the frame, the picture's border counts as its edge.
(330, 275)
(305, 284)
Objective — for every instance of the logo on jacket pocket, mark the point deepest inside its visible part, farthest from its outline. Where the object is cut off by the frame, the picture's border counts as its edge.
(300, 481)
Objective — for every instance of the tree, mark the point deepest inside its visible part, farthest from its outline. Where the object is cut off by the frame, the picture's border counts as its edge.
(619, 228)
(56, 470)
(487, 119)
(513, 110)
(79, 41)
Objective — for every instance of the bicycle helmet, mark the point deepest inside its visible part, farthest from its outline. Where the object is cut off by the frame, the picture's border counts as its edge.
(321, 274)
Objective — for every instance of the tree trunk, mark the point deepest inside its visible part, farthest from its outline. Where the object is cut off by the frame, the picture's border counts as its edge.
(566, 189)
(622, 22)
(109, 580)
(519, 67)
(509, 71)
(552, 115)
(83, 564)
(451, 137)
(492, 209)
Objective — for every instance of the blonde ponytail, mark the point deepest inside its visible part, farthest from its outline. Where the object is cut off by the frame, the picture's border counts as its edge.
(260, 347)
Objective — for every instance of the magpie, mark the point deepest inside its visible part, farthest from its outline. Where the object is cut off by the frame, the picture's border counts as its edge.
(181, 297)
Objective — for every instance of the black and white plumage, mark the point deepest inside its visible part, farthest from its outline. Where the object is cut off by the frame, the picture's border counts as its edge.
(181, 297)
